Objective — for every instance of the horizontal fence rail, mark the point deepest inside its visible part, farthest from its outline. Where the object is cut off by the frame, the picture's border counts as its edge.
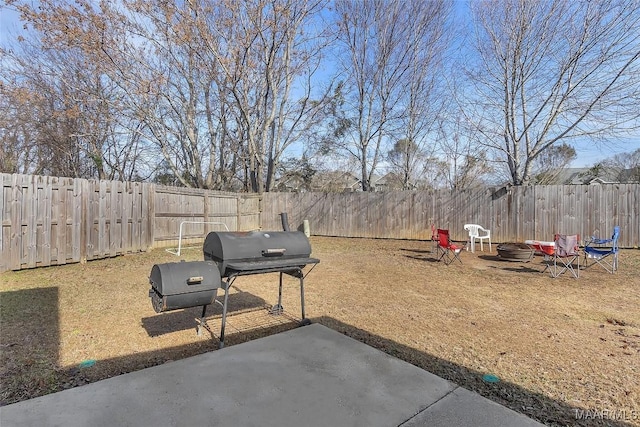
(513, 214)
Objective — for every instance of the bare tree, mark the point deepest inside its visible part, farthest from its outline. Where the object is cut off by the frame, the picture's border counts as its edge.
(626, 166)
(464, 165)
(390, 62)
(424, 98)
(403, 158)
(549, 72)
(170, 87)
(75, 116)
(221, 88)
(371, 34)
(550, 163)
(268, 51)
(18, 151)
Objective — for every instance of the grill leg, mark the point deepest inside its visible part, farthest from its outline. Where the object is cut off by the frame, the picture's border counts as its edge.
(280, 291)
(304, 321)
(302, 297)
(277, 309)
(199, 328)
(224, 310)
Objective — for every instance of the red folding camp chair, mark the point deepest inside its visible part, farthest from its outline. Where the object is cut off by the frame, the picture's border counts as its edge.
(450, 251)
(434, 240)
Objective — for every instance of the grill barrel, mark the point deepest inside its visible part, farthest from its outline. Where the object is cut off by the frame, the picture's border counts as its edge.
(257, 251)
(179, 285)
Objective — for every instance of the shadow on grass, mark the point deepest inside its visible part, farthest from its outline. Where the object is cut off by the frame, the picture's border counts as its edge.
(180, 320)
(521, 269)
(427, 255)
(417, 251)
(426, 259)
(29, 343)
(524, 266)
(43, 376)
(529, 403)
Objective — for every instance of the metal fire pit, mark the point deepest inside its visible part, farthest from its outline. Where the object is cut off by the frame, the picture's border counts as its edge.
(515, 252)
(258, 252)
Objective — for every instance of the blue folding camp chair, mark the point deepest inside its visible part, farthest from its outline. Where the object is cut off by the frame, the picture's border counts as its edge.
(605, 253)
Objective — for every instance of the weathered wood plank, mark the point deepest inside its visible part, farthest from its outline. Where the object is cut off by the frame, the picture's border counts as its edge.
(115, 211)
(46, 223)
(5, 221)
(512, 213)
(30, 197)
(15, 249)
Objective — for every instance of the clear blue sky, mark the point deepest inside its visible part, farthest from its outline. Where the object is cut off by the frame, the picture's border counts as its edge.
(588, 152)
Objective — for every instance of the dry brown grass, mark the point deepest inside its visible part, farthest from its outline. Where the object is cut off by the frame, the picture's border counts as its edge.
(557, 344)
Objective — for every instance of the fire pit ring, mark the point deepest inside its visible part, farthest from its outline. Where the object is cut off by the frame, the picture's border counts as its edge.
(515, 252)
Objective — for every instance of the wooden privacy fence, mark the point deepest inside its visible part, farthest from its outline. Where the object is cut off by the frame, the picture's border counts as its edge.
(51, 221)
(513, 214)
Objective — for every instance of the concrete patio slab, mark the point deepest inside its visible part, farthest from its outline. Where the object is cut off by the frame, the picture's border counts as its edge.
(466, 408)
(309, 376)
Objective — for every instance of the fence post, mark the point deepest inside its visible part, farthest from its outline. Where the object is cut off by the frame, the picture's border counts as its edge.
(205, 213)
(15, 243)
(150, 195)
(238, 212)
(86, 222)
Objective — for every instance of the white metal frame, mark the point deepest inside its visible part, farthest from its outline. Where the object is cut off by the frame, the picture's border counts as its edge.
(193, 222)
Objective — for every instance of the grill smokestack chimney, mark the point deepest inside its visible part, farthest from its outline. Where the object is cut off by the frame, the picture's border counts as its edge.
(285, 221)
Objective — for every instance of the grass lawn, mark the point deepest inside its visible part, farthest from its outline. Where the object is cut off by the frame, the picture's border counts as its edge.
(558, 345)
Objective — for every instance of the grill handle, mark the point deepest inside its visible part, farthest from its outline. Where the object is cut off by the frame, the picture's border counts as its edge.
(274, 252)
(194, 280)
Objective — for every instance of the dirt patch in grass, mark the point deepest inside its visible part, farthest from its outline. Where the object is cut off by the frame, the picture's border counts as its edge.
(558, 345)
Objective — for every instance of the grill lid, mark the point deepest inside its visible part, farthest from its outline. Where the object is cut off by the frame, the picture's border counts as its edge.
(184, 277)
(257, 251)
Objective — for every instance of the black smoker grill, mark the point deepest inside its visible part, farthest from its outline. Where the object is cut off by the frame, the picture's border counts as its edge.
(257, 252)
(229, 255)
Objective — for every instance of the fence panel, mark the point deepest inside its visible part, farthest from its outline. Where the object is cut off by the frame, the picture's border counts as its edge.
(512, 213)
(197, 210)
(54, 221)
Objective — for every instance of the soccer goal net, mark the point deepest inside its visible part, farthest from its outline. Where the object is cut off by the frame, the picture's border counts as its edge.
(176, 251)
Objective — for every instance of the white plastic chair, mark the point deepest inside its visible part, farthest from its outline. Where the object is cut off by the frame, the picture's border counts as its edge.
(474, 234)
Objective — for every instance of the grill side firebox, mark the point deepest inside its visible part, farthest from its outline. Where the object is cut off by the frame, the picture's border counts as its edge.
(179, 285)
